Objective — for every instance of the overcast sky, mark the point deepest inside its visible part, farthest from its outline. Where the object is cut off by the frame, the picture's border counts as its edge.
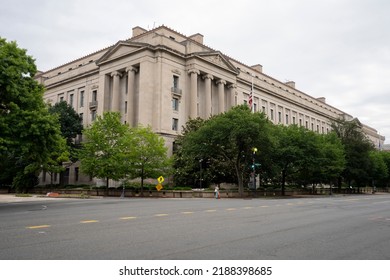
(337, 49)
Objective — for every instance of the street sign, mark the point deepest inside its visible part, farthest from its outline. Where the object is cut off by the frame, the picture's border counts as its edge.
(159, 187)
(160, 179)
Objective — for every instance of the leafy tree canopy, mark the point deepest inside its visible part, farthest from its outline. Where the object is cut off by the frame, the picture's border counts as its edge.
(29, 133)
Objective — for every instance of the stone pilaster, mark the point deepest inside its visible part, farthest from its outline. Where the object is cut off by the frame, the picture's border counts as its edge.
(232, 94)
(221, 95)
(115, 101)
(194, 93)
(131, 71)
(208, 79)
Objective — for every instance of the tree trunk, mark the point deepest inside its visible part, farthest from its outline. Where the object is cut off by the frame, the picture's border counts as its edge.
(240, 181)
(283, 181)
(142, 181)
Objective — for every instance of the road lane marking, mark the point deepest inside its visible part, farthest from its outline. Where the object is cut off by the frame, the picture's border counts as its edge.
(264, 206)
(88, 221)
(248, 207)
(187, 213)
(211, 210)
(128, 218)
(161, 215)
(231, 209)
(40, 226)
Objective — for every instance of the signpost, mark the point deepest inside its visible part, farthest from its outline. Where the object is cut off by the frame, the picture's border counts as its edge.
(160, 180)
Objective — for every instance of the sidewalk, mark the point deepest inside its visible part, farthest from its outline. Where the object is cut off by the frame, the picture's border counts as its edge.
(9, 198)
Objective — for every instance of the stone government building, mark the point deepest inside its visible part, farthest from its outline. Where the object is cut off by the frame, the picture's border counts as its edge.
(162, 78)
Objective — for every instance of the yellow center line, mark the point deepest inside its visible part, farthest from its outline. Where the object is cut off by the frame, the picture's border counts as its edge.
(128, 218)
(88, 221)
(161, 215)
(40, 226)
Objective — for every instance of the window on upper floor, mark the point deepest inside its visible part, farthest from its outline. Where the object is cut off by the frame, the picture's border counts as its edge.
(175, 124)
(93, 115)
(81, 98)
(71, 97)
(175, 104)
(94, 95)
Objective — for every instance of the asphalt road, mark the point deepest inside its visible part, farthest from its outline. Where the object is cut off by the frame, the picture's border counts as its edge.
(326, 228)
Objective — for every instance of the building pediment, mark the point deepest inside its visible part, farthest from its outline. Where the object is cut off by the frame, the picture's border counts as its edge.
(119, 50)
(217, 58)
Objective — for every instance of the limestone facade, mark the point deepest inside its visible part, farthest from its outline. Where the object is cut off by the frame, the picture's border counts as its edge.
(162, 78)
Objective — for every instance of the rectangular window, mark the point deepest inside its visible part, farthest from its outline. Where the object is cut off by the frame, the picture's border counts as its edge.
(81, 117)
(175, 104)
(175, 124)
(294, 120)
(280, 117)
(175, 82)
(94, 95)
(93, 115)
(286, 118)
(81, 98)
(76, 174)
(71, 99)
(272, 114)
(263, 109)
(125, 107)
(255, 107)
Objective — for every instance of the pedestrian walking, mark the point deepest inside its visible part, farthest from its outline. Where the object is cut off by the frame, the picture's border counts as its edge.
(216, 192)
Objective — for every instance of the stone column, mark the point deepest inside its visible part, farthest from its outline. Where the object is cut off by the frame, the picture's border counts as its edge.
(194, 93)
(208, 79)
(130, 94)
(221, 95)
(115, 97)
(232, 94)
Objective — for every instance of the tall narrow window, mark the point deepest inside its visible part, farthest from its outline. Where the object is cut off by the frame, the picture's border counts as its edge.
(76, 174)
(175, 124)
(125, 107)
(175, 104)
(71, 99)
(93, 115)
(81, 98)
(175, 81)
(272, 114)
(94, 95)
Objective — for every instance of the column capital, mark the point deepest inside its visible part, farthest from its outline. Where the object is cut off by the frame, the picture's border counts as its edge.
(116, 73)
(208, 76)
(220, 81)
(233, 86)
(131, 68)
(193, 71)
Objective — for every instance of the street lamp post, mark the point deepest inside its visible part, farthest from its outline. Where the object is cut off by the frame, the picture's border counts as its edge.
(254, 169)
(200, 173)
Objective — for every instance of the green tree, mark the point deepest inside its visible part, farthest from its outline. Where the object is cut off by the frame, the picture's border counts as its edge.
(70, 123)
(29, 134)
(357, 147)
(148, 156)
(105, 150)
(229, 139)
(186, 169)
(294, 152)
(378, 170)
